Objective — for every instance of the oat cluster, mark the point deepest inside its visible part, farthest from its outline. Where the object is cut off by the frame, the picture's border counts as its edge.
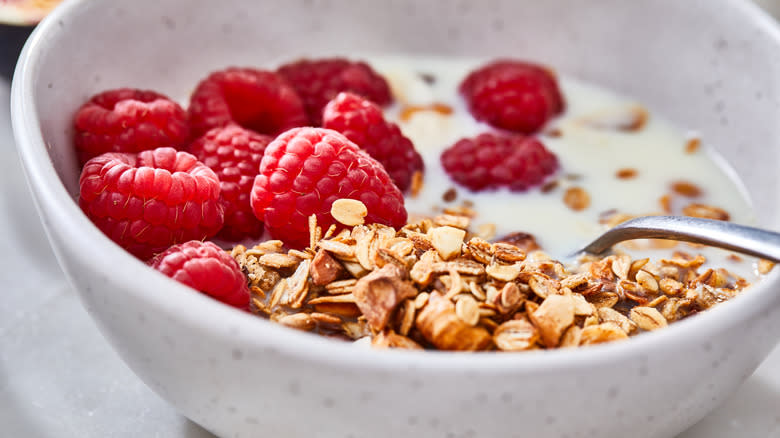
(435, 285)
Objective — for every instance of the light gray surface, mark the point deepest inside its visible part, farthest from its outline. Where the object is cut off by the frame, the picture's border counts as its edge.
(59, 377)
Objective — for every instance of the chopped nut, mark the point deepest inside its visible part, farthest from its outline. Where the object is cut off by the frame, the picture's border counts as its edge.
(378, 293)
(447, 241)
(604, 332)
(439, 324)
(647, 318)
(349, 212)
(421, 300)
(581, 306)
(686, 188)
(705, 211)
(554, 316)
(515, 335)
(576, 198)
(324, 268)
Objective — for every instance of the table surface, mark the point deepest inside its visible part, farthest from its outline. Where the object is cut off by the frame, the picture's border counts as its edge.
(60, 378)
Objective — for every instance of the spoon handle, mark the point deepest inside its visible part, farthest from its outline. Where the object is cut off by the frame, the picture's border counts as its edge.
(726, 235)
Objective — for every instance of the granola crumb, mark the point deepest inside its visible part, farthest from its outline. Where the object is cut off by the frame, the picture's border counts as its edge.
(576, 198)
(450, 195)
(692, 145)
(626, 173)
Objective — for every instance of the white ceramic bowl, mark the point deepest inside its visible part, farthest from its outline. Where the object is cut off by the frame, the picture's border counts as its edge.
(712, 66)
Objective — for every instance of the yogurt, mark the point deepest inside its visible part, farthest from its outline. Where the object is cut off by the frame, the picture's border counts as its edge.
(590, 157)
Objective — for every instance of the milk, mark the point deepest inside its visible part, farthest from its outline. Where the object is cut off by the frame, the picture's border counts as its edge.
(589, 158)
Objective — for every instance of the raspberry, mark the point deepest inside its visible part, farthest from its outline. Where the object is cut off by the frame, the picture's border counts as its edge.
(319, 81)
(305, 169)
(362, 122)
(255, 99)
(512, 95)
(205, 267)
(128, 120)
(490, 161)
(234, 154)
(148, 201)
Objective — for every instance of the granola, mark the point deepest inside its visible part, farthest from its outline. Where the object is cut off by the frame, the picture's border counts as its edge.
(435, 284)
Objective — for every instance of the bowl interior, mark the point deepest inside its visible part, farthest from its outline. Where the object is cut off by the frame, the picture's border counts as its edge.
(705, 72)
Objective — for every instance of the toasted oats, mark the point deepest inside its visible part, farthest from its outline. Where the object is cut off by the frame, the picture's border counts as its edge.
(524, 241)
(260, 307)
(439, 325)
(349, 212)
(477, 291)
(462, 266)
(276, 293)
(571, 337)
(364, 238)
(604, 332)
(705, 211)
(765, 266)
(380, 292)
(542, 285)
(298, 285)
(338, 249)
(467, 310)
(449, 220)
(686, 188)
(508, 253)
(627, 118)
(330, 299)
(455, 284)
(447, 241)
(692, 145)
(647, 318)
(346, 309)
(407, 313)
(417, 183)
(315, 232)
(389, 339)
(463, 210)
(603, 299)
(278, 261)
(503, 272)
(480, 250)
(515, 335)
(607, 314)
(626, 173)
(575, 281)
(300, 321)
(421, 300)
(576, 198)
(355, 329)
(341, 286)
(267, 247)
(510, 298)
(621, 265)
(684, 263)
(552, 318)
(647, 281)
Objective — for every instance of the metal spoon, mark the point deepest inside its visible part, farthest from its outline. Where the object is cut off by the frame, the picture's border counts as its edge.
(740, 238)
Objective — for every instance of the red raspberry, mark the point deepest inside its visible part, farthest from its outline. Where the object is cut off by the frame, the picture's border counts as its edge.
(490, 161)
(305, 169)
(206, 268)
(319, 81)
(362, 122)
(234, 154)
(512, 95)
(255, 99)
(149, 201)
(128, 120)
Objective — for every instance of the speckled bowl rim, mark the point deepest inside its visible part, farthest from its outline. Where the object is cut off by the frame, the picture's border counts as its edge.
(257, 333)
